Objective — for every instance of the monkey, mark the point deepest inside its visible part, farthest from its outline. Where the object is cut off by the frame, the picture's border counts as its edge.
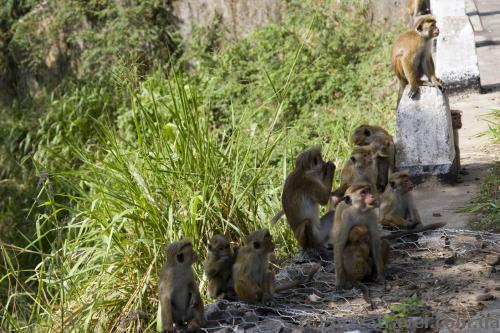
(306, 188)
(412, 57)
(456, 122)
(415, 8)
(253, 281)
(357, 209)
(364, 134)
(384, 153)
(361, 166)
(219, 268)
(180, 299)
(397, 209)
(358, 264)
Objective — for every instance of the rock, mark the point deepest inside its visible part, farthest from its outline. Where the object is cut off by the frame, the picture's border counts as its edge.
(492, 259)
(436, 214)
(442, 8)
(267, 325)
(456, 59)
(424, 136)
(485, 297)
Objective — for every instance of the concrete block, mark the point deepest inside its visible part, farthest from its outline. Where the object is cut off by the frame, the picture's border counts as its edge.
(424, 136)
(456, 59)
(440, 8)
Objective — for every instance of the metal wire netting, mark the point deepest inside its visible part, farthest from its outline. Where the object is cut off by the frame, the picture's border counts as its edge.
(318, 306)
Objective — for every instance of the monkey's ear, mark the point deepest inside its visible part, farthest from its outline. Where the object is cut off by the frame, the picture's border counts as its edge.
(392, 184)
(367, 132)
(353, 159)
(419, 27)
(347, 200)
(256, 245)
(210, 248)
(180, 257)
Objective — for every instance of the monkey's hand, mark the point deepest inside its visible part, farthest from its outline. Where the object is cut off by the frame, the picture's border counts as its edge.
(437, 83)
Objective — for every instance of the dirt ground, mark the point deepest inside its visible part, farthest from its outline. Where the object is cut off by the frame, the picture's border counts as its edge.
(447, 269)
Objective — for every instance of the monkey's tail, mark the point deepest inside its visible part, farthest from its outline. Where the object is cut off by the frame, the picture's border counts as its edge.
(399, 234)
(366, 293)
(305, 279)
(277, 217)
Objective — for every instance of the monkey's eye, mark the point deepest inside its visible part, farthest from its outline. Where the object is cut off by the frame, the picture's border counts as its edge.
(365, 191)
(256, 245)
(221, 248)
(227, 246)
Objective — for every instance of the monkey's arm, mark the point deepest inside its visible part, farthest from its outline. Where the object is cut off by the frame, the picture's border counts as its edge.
(414, 215)
(393, 220)
(167, 321)
(214, 267)
(432, 73)
(196, 305)
(248, 290)
(376, 249)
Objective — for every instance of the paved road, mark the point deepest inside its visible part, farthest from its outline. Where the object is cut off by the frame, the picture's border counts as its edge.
(486, 25)
(438, 203)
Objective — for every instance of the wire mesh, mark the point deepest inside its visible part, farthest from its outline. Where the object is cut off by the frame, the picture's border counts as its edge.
(435, 265)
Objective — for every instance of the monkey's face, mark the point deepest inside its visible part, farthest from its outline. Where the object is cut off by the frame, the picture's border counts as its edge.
(368, 197)
(456, 120)
(220, 247)
(428, 29)
(261, 241)
(402, 184)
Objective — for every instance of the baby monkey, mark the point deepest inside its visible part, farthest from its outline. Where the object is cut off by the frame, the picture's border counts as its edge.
(253, 281)
(358, 209)
(219, 268)
(358, 263)
(397, 209)
(180, 299)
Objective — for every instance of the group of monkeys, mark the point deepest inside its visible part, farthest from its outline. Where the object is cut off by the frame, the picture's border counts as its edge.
(371, 193)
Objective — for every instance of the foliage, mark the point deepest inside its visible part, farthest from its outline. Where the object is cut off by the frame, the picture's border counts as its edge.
(397, 319)
(486, 204)
(130, 161)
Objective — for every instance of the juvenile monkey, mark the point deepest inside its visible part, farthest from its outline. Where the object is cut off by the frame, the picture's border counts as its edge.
(364, 134)
(219, 268)
(415, 8)
(357, 209)
(456, 123)
(253, 281)
(179, 295)
(306, 187)
(411, 56)
(361, 166)
(397, 209)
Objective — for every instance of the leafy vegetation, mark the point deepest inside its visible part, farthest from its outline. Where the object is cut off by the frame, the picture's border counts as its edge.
(487, 203)
(397, 319)
(125, 163)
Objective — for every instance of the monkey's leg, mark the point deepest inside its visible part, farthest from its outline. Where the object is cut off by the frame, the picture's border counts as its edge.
(304, 235)
(167, 321)
(410, 77)
(269, 287)
(198, 315)
(248, 290)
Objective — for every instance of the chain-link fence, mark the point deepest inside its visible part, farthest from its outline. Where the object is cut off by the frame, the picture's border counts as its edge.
(443, 267)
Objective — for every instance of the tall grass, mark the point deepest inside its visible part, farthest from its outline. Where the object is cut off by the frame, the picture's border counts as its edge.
(163, 165)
